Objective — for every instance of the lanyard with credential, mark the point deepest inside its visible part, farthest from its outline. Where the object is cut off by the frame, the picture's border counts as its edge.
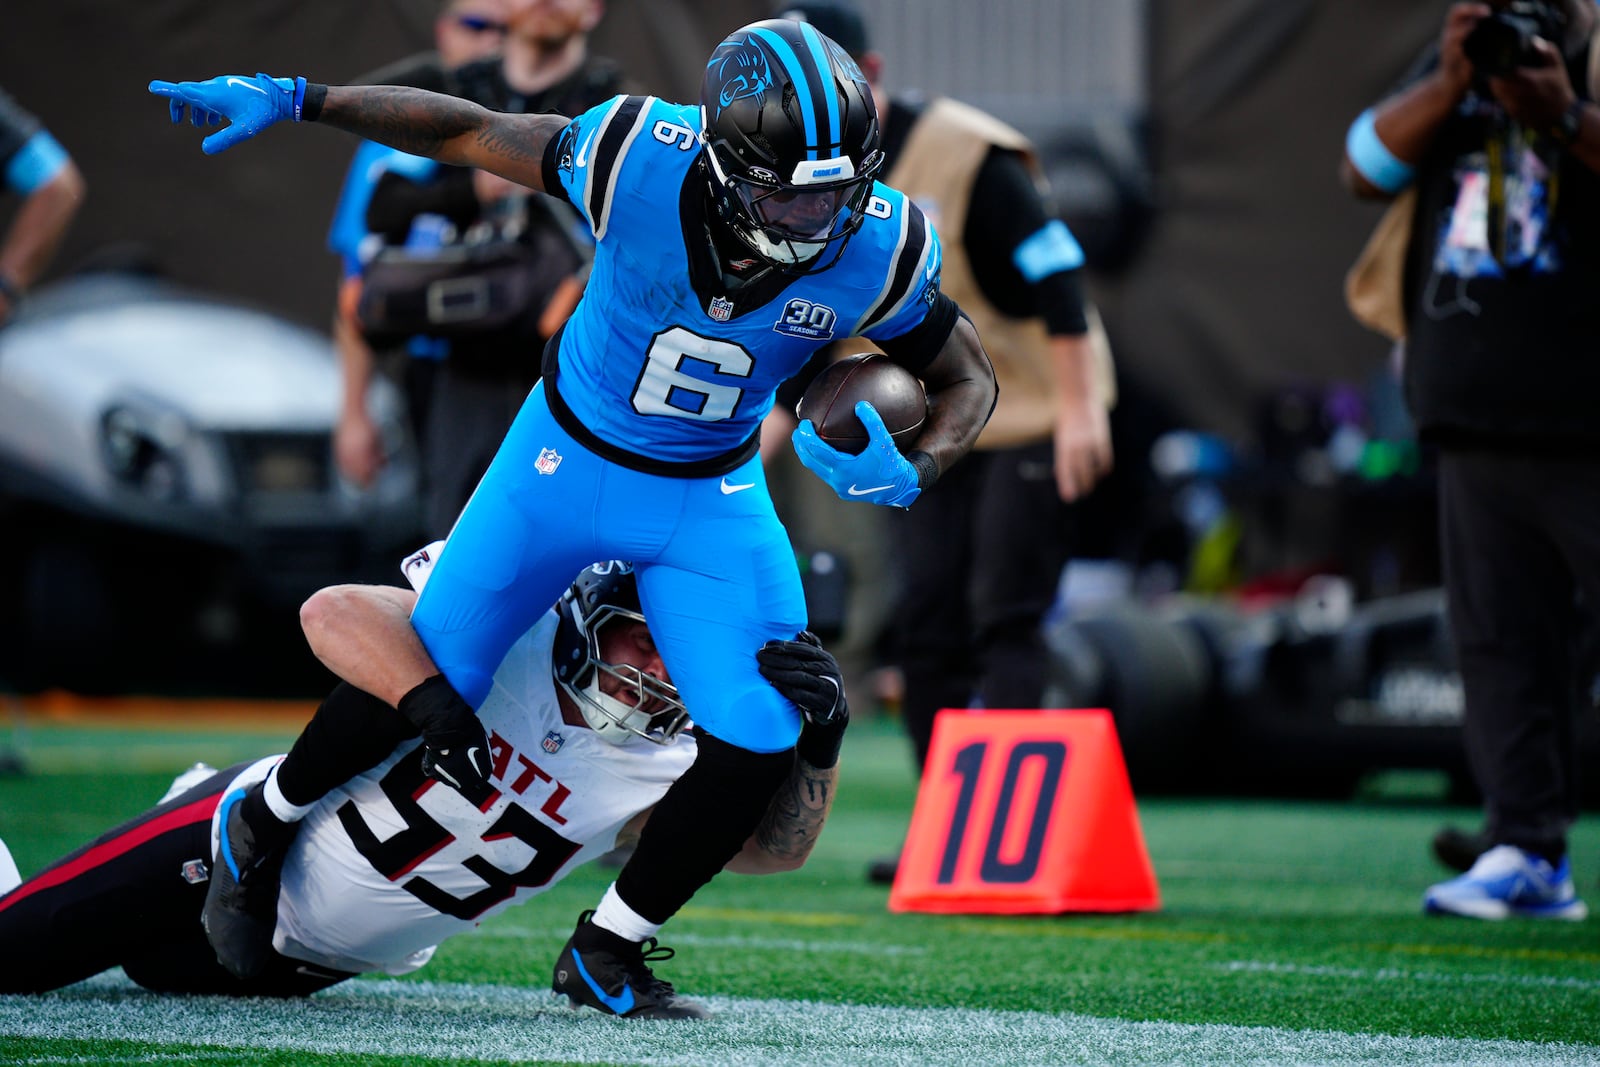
(1508, 139)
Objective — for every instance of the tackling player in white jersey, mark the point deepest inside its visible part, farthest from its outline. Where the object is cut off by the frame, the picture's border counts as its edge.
(586, 733)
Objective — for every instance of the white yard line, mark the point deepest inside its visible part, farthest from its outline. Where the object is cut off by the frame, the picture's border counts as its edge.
(505, 932)
(415, 1020)
(1391, 974)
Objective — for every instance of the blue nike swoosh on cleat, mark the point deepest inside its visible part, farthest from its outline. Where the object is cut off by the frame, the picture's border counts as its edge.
(621, 1004)
(222, 833)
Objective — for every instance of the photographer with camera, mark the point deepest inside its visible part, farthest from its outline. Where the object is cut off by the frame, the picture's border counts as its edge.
(1496, 133)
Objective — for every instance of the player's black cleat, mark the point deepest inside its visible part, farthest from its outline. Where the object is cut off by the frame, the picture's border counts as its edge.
(241, 907)
(598, 969)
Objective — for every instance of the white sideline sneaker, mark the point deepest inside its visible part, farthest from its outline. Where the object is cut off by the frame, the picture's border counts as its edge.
(1507, 881)
(9, 878)
(188, 780)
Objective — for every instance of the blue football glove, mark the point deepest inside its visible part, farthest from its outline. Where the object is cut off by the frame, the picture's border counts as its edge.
(879, 475)
(249, 105)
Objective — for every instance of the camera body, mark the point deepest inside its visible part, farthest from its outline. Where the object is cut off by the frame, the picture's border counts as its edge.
(1503, 41)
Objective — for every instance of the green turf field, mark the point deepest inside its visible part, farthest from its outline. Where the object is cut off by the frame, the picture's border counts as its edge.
(1290, 933)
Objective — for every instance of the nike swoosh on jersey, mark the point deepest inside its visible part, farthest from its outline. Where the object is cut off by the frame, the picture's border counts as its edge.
(245, 85)
(728, 489)
(853, 491)
(583, 152)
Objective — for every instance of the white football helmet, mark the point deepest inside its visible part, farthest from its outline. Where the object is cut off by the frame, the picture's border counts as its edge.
(604, 593)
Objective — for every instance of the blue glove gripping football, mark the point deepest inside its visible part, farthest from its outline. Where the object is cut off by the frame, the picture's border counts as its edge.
(879, 475)
(248, 105)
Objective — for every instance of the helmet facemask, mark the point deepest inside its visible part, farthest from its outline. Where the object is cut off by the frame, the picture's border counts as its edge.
(790, 223)
(644, 706)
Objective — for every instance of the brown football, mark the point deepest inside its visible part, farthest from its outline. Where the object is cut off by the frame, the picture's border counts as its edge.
(830, 401)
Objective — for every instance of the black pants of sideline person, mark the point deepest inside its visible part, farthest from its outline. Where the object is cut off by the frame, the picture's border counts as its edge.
(1520, 537)
(979, 558)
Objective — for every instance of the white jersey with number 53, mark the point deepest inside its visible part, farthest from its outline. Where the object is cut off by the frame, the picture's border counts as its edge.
(392, 862)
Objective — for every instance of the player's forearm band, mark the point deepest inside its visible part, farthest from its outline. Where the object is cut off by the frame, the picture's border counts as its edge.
(926, 466)
(1369, 155)
(434, 706)
(819, 745)
(311, 102)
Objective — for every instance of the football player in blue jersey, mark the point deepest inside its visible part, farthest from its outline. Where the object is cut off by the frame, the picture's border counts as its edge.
(733, 238)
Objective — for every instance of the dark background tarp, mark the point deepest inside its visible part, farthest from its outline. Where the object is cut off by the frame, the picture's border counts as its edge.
(1237, 290)
(1234, 290)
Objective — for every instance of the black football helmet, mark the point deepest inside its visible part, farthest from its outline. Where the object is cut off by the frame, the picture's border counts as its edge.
(604, 593)
(789, 134)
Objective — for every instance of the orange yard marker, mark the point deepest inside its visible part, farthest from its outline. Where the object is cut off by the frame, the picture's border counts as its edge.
(1024, 812)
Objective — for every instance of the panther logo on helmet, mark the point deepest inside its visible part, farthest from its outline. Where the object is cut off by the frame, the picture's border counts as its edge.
(742, 74)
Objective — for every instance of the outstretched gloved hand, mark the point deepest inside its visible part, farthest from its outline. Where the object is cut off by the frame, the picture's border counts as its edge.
(878, 475)
(249, 105)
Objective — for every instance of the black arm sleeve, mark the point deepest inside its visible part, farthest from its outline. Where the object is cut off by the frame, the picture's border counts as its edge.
(1006, 210)
(554, 151)
(917, 347)
(397, 200)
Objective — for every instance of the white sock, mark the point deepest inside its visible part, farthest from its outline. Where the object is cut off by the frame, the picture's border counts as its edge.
(614, 915)
(9, 878)
(279, 805)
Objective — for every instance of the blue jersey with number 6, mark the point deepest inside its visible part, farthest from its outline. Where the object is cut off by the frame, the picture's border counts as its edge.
(652, 366)
(639, 442)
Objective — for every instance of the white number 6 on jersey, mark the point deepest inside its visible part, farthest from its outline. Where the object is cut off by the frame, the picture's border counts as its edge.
(665, 388)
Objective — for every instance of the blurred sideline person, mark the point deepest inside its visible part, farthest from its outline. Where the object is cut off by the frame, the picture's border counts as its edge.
(40, 171)
(469, 386)
(1503, 151)
(980, 558)
(734, 238)
(463, 31)
(586, 733)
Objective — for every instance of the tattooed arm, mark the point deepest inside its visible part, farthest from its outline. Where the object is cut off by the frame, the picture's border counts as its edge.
(785, 835)
(793, 822)
(444, 128)
(422, 123)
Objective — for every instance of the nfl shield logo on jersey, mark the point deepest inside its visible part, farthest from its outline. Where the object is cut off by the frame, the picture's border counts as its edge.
(547, 462)
(721, 309)
(552, 742)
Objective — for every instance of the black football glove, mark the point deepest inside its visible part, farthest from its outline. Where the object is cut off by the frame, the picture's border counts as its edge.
(455, 750)
(804, 672)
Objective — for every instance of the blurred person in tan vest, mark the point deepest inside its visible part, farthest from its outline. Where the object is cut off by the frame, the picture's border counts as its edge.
(980, 557)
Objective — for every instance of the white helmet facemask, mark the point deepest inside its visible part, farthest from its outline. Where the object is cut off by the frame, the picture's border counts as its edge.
(647, 707)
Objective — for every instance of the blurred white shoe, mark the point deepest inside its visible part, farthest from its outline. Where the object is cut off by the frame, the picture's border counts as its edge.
(9, 878)
(188, 780)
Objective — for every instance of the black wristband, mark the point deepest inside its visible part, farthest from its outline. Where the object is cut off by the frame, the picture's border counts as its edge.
(927, 468)
(434, 706)
(819, 745)
(311, 103)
